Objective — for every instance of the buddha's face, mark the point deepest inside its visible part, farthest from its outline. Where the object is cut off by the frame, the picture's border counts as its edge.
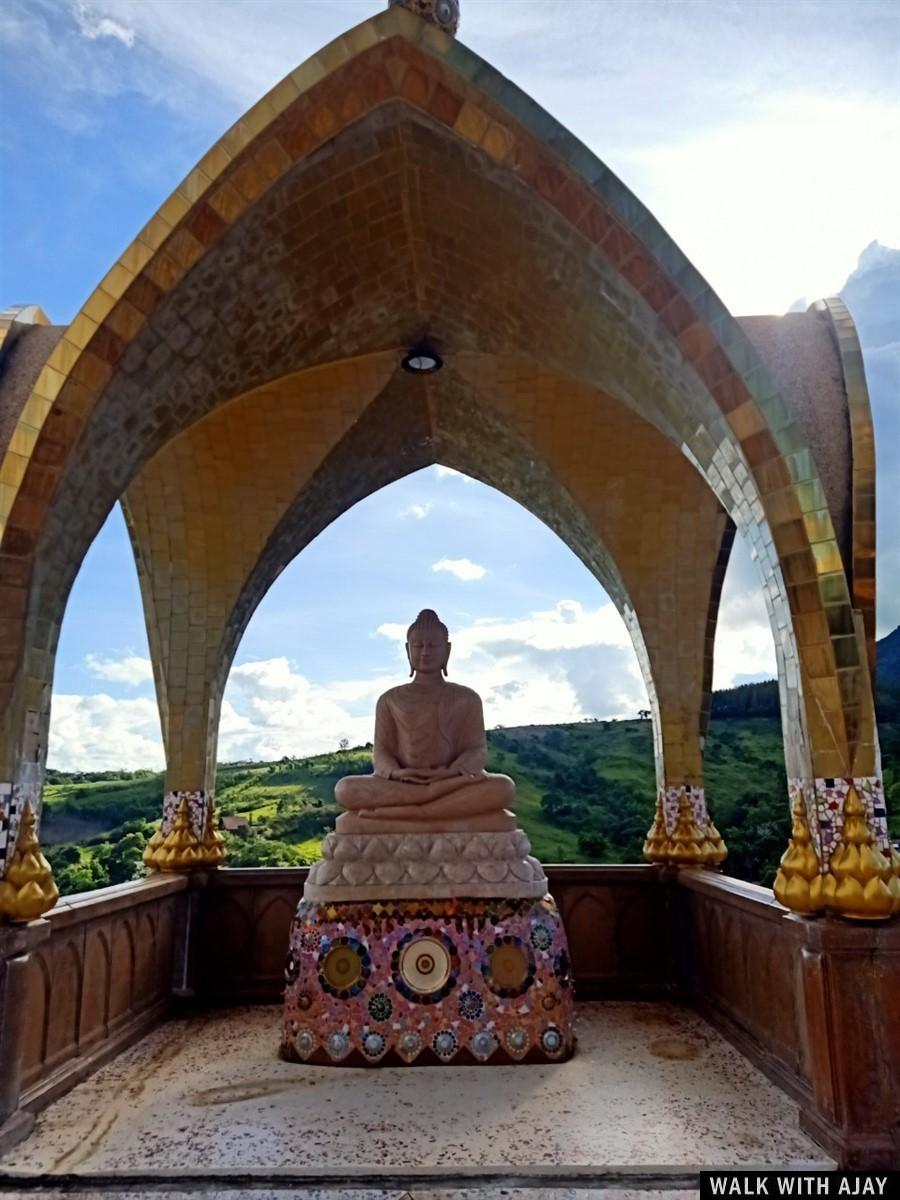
(427, 651)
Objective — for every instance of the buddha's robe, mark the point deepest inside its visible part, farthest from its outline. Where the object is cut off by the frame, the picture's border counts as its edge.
(432, 729)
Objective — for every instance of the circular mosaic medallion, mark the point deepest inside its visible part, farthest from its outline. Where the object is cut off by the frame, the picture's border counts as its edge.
(338, 1045)
(304, 1043)
(471, 1005)
(550, 1001)
(344, 967)
(424, 966)
(304, 1001)
(373, 1045)
(310, 940)
(517, 1041)
(444, 1044)
(508, 967)
(541, 937)
(409, 1046)
(551, 1040)
(483, 1044)
(380, 1007)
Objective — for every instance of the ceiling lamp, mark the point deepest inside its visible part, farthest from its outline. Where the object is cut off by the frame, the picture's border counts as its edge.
(422, 359)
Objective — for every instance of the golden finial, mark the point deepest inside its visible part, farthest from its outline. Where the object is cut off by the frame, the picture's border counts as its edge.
(856, 882)
(29, 890)
(687, 836)
(179, 849)
(657, 840)
(212, 848)
(798, 884)
(713, 847)
(893, 881)
(152, 849)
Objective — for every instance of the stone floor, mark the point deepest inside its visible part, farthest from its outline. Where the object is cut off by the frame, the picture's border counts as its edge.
(652, 1087)
(368, 1194)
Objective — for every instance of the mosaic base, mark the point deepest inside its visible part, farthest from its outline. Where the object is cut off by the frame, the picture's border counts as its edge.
(824, 800)
(198, 805)
(428, 982)
(671, 798)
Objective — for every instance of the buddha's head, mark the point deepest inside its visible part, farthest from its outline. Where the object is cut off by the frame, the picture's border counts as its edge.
(427, 644)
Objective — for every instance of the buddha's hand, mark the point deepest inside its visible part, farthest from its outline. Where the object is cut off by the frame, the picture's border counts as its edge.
(411, 775)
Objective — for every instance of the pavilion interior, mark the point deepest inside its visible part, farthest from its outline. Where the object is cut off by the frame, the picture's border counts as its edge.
(235, 381)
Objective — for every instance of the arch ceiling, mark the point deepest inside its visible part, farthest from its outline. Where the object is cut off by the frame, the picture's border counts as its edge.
(395, 184)
(220, 511)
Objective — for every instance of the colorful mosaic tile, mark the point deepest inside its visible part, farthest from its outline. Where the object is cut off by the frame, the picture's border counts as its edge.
(12, 801)
(830, 798)
(6, 843)
(442, 981)
(805, 790)
(198, 805)
(672, 796)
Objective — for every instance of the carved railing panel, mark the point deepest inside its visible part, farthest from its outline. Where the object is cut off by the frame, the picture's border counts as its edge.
(740, 962)
(100, 979)
(244, 923)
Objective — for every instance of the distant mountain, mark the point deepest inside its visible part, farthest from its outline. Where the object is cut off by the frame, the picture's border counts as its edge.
(888, 662)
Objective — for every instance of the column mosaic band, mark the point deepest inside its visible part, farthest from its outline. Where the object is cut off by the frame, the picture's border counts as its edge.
(198, 806)
(13, 797)
(672, 797)
(825, 801)
(8, 823)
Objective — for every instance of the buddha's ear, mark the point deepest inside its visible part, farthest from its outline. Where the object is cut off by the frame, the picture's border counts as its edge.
(446, 658)
(409, 660)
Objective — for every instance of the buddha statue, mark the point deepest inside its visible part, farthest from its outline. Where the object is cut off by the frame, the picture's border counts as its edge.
(426, 933)
(429, 754)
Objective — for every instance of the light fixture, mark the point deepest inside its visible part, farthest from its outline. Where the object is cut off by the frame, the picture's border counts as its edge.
(422, 359)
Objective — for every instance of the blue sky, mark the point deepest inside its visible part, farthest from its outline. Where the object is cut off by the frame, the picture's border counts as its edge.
(763, 135)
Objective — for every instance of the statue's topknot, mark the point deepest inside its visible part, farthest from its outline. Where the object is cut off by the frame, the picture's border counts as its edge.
(428, 622)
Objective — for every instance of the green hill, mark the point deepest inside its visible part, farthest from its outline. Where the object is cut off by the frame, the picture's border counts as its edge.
(586, 792)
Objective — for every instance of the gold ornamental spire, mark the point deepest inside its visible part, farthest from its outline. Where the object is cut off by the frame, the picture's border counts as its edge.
(857, 882)
(29, 890)
(798, 884)
(657, 840)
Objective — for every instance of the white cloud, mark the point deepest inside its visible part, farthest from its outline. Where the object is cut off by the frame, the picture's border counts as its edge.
(100, 733)
(419, 511)
(131, 669)
(559, 664)
(93, 26)
(270, 710)
(462, 568)
(562, 664)
(775, 218)
(451, 473)
(745, 647)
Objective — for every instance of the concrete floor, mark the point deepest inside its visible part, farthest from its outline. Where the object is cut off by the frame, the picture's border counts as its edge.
(651, 1086)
